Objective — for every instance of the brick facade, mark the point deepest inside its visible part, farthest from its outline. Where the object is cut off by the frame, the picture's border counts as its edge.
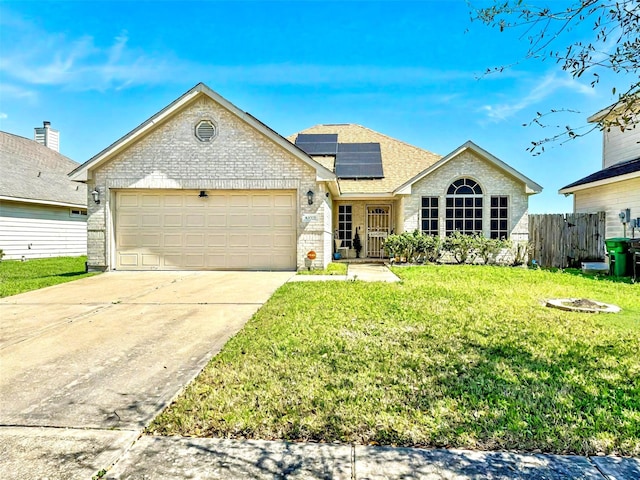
(491, 179)
(240, 157)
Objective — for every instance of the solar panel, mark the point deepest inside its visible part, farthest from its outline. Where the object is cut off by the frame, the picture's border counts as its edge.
(358, 147)
(359, 160)
(317, 138)
(318, 143)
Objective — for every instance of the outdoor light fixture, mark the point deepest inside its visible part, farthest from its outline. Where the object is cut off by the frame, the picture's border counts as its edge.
(203, 194)
(96, 195)
(310, 197)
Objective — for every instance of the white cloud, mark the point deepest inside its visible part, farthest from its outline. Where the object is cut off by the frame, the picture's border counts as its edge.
(3, 116)
(36, 57)
(548, 86)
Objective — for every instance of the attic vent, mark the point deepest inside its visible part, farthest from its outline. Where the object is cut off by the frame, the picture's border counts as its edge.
(206, 131)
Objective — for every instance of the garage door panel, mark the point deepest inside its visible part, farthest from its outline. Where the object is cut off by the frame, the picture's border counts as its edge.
(194, 220)
(174, 230)
(237, 200)
(126, 241)
(285, 201)
(260, 221)
(151, 220)
(128, 199)
(172, 240)
(194, 240)
(216, 260)
(150, 200)
(128, 220)
(172, 220)
(283, 240)
(150, 260)
(171, 260)
(217, 220)
(173, 200)
(237, 240)
(128, 259)
(150, 239)
(283, 220)
(194, 260)
(261, 201)
(239, 220)
(217, 240)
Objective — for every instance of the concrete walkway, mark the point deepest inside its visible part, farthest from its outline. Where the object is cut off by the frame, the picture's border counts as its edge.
(206, 458)
(366, 272)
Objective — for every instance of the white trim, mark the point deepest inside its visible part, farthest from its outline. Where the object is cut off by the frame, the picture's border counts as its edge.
(366, 196)
(531, 187)
(597, 183)
(43, 202)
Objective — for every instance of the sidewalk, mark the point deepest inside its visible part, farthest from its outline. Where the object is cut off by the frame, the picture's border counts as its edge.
(207, 458)
(366, 272)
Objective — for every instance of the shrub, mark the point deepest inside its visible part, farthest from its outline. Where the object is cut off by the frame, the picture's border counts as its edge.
(490, 248)
(1, 254)
(464, 248)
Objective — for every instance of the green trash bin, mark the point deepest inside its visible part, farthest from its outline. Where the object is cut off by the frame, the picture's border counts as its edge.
(618, 250)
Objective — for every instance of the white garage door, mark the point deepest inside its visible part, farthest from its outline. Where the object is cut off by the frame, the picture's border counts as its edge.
(178, 230)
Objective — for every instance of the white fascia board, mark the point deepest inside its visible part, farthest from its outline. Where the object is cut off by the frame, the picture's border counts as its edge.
(42, 202)
(366, 196)
(599, 183)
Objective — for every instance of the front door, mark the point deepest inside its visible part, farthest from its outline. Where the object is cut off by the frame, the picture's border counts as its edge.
(378, 227)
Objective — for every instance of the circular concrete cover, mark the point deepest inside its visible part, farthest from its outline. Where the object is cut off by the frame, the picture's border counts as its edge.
(582, 305)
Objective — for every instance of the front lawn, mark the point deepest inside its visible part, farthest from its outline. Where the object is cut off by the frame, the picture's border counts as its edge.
(332, 269)
(18, 277)
(454, 356)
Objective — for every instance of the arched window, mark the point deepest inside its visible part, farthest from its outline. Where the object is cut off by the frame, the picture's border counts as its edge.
(463, 211)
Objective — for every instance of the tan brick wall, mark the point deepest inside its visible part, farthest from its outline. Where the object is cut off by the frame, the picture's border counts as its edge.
(493, 181)
(171, 157)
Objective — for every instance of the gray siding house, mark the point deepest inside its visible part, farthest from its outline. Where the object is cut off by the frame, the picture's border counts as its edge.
(42, 212)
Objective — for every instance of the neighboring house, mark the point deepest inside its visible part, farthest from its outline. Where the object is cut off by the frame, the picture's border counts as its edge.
(616, 187)
(204, 185)
(42, 212)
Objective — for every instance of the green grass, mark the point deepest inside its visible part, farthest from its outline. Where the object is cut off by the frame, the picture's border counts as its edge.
(454, 356)
(18, 277)
(332, 269)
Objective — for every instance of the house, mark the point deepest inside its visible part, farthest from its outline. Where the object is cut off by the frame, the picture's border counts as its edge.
(42, 212)
(616, 187)
(204, 185)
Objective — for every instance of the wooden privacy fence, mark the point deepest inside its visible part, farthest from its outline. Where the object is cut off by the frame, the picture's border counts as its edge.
(565, 240)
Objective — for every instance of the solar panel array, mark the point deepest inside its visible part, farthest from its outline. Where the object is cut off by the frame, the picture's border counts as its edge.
(353, 160)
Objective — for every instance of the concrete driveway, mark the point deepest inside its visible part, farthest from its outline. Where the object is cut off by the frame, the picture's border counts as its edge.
(84, 366)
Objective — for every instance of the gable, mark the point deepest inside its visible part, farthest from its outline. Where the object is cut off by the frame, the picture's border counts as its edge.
(471, 161)
(170, 135)
(173, 153)
(468, 164)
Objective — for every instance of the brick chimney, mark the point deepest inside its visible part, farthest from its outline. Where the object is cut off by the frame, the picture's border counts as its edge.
(47, 136)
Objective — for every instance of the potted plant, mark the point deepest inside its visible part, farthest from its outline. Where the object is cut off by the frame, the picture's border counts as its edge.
(357, 244)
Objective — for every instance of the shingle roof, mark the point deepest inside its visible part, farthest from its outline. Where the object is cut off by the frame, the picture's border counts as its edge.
(617, 170)
(400, 161)
(34, 172)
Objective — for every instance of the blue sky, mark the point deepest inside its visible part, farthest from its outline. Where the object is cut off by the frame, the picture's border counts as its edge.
(412, 70)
